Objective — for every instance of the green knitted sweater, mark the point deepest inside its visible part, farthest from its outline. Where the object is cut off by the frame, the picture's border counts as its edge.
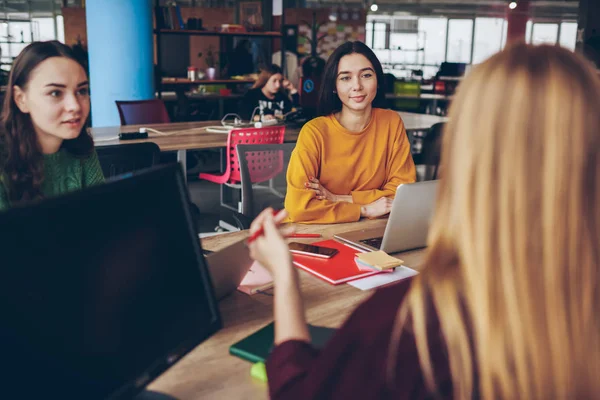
(63, 172)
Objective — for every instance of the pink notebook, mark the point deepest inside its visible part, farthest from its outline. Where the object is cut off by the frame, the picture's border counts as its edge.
(257, 279)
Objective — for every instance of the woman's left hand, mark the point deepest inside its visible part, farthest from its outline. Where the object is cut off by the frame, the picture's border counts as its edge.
(287, 85)
(322, 192)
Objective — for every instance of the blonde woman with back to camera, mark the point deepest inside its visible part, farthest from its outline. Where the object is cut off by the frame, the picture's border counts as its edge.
(507, 302)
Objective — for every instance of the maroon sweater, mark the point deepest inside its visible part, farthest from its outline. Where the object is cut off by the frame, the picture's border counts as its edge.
(354, 363)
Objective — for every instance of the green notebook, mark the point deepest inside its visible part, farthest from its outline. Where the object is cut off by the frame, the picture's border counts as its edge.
(256, 347)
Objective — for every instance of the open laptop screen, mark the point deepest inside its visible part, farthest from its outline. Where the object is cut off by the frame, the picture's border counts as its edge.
(102, 290)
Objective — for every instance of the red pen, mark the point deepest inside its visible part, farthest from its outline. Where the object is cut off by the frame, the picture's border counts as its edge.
(259, 232)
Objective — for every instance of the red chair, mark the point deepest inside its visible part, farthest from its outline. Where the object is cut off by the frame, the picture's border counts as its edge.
(232, 175)
(140, 112)
(439, 87)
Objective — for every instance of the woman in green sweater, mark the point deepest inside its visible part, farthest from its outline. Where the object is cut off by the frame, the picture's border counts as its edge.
(45, 150)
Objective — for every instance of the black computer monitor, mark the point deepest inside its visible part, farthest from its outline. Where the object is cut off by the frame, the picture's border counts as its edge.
(452, 69)
(101, 290)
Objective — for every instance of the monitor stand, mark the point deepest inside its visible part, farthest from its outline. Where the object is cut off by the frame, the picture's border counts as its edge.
(152, 395)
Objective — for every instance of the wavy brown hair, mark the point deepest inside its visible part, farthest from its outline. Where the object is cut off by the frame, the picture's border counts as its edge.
(21, 159)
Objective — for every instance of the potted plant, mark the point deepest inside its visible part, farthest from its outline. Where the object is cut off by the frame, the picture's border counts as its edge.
(210, 58)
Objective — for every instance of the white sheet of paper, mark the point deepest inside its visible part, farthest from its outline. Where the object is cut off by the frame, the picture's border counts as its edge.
(374, 281)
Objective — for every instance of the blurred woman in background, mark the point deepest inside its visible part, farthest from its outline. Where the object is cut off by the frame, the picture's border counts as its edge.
(271, 94)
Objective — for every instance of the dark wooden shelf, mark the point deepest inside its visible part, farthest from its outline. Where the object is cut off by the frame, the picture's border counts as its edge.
(216, 33)
(181, 81)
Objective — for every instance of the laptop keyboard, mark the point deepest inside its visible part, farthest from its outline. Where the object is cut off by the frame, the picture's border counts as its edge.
(373, 242)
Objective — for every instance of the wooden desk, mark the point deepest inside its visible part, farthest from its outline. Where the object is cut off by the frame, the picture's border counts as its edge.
(190, 136)
(191, 140)
(183, 136)
(209, 372)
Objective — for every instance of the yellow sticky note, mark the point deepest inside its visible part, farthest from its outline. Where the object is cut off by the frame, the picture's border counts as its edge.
(380, 260)
(259, 371)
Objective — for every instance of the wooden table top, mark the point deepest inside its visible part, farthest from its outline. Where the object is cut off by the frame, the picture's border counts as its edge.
(209, 372)
(191, 136)
(185, 81)
(172, 96)
(182, 135)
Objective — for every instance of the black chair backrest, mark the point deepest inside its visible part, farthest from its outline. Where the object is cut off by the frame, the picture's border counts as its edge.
(251, 162)
(388, 82)
(431, 149)
(122, 158)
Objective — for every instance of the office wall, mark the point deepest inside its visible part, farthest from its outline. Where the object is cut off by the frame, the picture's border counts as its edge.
(349, 26)
(75, 25)
(211, 18)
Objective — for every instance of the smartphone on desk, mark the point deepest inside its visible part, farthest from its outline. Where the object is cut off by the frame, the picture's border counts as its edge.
(312, 250)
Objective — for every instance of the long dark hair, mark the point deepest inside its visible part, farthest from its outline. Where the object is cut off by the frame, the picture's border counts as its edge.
(265, 74)
(21, 159)
(329, 101)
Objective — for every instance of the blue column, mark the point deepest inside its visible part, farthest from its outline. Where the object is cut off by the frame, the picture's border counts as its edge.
(121, 55)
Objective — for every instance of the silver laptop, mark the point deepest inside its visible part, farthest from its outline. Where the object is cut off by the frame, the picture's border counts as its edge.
(407, 225)
(228, 267)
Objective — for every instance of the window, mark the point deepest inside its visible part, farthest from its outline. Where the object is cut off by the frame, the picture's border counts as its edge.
(434, 30)
(29, 21)
(488, 38)
(60, 29)
(528, 31)
(568, 35)
(19, 36)
(383, 55)
(369, 34)
(463, 40)
(4, 52)
(43, 28)
(404, 48)
(20, 32)
(379, 35)
(544, 33)
(460, 35)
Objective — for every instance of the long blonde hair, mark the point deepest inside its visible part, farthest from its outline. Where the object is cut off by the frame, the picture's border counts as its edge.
(513, 264)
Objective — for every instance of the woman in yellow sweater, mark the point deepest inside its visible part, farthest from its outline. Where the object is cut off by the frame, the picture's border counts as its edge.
(349, 161)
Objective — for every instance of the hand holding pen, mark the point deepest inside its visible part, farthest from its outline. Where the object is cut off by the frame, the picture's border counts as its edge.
(267, 243)
(280, 216)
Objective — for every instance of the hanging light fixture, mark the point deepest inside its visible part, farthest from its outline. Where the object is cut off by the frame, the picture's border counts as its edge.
(512, 5)
(374, 7)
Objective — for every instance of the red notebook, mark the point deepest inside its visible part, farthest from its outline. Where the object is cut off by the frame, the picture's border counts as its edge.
(335, 270)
